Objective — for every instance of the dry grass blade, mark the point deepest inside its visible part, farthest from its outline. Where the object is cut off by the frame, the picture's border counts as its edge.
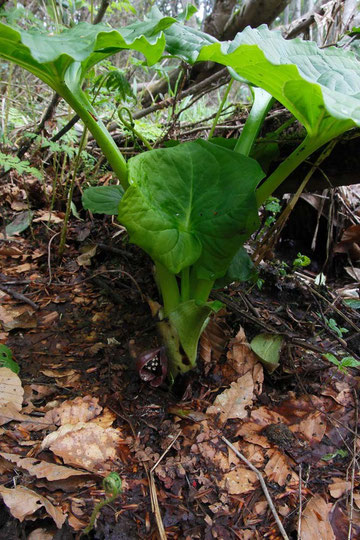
(153, 493)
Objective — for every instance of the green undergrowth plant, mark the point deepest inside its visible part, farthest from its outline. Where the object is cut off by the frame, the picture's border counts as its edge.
(9, 162)
(192, 206)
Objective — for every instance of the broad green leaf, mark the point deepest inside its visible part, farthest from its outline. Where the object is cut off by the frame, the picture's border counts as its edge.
(103, 199)
(190, 319)
(20, 223)
(194, 203)
(6, 359)
(267, 347)
(321, 87)
(49, 56)
(241, 269)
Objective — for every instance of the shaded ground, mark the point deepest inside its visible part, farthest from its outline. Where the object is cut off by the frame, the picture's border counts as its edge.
(86, 410)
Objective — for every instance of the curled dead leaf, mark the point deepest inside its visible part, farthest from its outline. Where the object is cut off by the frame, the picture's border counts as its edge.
(23, 502)
(42, 469)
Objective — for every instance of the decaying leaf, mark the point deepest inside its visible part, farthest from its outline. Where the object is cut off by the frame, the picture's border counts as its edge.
(339, 487)
(85, 258)
(17, 317)
(213, 340)
(233, 402)
(10, 412)
(85, 445)
(250, 432)
(240, 480)
(42, 469)
(242, 359)
(80, 409)
(23, 502)
(315, 520)
(312, 427)
(11, 390)
(278, 468)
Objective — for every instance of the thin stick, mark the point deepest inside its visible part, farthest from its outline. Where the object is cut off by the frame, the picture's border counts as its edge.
(49, 256)
(263, 485)
(165, 452)
(19, 296)
(351, 513)
(300, 503)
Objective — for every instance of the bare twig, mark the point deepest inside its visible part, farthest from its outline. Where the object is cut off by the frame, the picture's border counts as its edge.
(263, 485)
(49, 256)
(351, 513)
(303, 23)
(300, 502)
(165, 451)
(18, 296)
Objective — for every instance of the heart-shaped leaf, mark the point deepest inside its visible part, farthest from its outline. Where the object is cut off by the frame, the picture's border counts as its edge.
(194, 203)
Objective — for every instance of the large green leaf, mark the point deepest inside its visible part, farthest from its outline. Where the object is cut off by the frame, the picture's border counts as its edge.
(240, 269)
(321, 87)
(194, 203)
(49, 56)
(102, 199)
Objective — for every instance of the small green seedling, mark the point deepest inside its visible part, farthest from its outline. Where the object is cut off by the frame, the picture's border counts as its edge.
(301, 261)
(112, 485)
(339, 453)
(345, 362)
(333, 325)
(191, 207)
(273, 206)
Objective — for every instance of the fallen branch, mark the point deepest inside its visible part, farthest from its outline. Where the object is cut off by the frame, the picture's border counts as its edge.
(263, 485)
(299, 26)
(18, 296)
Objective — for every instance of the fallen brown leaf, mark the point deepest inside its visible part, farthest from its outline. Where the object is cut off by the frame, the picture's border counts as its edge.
(11, 390)
(85, 445)
(278, 468)
(41, 534)
(315, 520)
(80, 409)
(312, 427)
(58, 373)
(17, 317)
(23, 502)
(239, 481)
(339, 487)
(233, 402)
(42, 469)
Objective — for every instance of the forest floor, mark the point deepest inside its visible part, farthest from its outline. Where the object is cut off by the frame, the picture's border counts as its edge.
(78, 410)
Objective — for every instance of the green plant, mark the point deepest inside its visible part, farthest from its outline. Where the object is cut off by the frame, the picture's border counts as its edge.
(191, 207)
(273, 207)
(8, 162)
(343, 363)
(338, 453)
(6, 359)
(333, 325)
(112, 485)
(301, 261)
